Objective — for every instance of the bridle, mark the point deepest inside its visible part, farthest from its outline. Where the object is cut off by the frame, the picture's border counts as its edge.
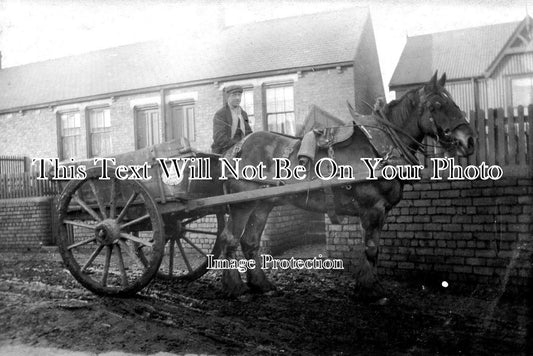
(427, 105)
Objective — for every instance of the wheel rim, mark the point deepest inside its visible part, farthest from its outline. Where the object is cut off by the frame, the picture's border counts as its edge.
(103, 226)
(187, 246)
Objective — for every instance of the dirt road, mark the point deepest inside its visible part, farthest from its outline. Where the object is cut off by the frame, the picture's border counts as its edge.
(313, 313)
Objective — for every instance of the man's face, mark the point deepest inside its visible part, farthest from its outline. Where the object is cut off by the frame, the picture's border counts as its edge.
(234, 99)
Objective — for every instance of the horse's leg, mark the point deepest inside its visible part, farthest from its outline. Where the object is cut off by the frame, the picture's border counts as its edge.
(372, 220)
(232, 283)
(250, 244)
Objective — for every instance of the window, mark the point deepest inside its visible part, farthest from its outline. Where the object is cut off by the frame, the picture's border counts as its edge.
(247, 103)
(100, 132)
(280, 109)
(182, 121)
(522, 92)
(70, 133)
(148, 127)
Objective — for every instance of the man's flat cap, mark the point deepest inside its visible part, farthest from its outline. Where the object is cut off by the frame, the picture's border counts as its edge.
(233, 89)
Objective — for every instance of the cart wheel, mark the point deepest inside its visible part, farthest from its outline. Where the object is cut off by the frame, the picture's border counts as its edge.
(189, 244)
(103, 225)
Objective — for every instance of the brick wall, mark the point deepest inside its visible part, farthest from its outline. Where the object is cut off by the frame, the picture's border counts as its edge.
(32, 133)
(479, 231)
(329, 89)
(37, 129)
(25, 223)
(288, 227)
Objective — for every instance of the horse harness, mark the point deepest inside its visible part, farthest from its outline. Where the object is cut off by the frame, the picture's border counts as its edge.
(235, 152)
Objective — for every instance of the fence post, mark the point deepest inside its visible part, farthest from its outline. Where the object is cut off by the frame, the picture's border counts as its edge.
(511, 137)
(522, 138)
(27, 164)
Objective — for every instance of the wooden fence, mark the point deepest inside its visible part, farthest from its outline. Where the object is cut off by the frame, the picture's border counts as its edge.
(14, 164)
(23, 185)
(501, 138)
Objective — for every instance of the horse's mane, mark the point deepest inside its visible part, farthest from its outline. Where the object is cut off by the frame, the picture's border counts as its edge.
(404, 107)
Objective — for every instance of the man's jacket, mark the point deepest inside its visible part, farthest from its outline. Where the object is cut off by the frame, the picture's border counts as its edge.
(222, 139)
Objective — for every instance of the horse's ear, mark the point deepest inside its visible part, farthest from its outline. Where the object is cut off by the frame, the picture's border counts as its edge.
(442, 80)
(432, 84)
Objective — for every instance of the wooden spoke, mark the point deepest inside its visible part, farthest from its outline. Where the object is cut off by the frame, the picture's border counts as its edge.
(81, 243)
(93, 256)
(108, 252)
(113, 199)
(86, 207)
(188, 221)
(135, 239)
(130, 200)
(124, 246)
(202, 232)
(80, 224)
(171, 257)
(195, 255)
(194, 246)
(136, 221)
(97, 197)
(122, 268)
(184, 255)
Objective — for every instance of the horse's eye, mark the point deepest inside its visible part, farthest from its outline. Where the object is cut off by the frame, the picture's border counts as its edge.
(437, 105)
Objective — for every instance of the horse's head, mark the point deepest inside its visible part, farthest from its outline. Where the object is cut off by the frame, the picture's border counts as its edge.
(442, 119)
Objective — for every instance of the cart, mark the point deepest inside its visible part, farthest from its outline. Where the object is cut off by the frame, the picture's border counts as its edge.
(117, 232)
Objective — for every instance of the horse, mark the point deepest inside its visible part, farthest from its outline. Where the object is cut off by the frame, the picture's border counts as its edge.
(425, 111)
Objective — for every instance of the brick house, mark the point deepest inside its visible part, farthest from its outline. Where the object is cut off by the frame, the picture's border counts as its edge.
(486, 67)
(124, 98)
(120, 99)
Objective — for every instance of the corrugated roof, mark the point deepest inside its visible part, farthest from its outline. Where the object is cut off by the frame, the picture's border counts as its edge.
(462, 53)
(294, 42)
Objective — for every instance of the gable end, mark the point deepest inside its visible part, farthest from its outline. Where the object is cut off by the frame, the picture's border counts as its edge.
(520, 42)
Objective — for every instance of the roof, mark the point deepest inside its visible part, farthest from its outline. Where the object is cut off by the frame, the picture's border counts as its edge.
(294, 42)
(465, 53)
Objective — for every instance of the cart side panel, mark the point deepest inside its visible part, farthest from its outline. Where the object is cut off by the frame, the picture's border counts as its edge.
(158, 185)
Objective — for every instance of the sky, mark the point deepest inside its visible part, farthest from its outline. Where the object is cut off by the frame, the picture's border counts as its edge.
(37, 30)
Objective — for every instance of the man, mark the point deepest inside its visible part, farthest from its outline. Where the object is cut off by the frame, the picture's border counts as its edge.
(230, 123)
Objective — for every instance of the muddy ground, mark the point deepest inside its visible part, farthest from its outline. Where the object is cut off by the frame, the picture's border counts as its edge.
(313, 313)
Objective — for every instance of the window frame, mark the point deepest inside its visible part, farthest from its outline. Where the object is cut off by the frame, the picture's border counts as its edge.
(60, 136)
(265, 99)
(89, 127)
(189, 125)
(251, 117)
(137, 110)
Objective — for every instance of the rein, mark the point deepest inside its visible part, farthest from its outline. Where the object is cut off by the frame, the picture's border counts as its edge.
(404, 148)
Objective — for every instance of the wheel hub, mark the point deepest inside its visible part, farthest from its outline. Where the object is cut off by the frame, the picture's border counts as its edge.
(107, 232)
